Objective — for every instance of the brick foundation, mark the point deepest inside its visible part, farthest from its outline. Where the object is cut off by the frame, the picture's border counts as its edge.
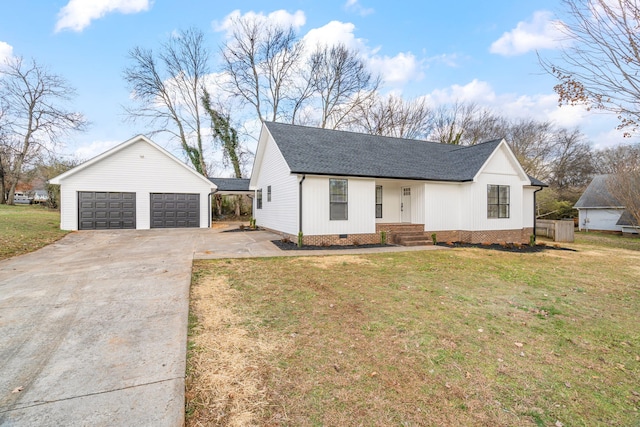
(335, 239)
(487, 236)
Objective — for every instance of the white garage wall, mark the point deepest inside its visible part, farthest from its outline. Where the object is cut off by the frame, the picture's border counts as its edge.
(140, 168)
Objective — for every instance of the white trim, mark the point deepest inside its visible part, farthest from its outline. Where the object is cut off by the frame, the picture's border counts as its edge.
(523, 175)
(57, 180)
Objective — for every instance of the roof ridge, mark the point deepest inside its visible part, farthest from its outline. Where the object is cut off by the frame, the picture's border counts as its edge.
(355, 133)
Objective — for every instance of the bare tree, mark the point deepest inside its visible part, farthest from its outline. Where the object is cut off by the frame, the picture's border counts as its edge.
(610, 159)
(572, 164)
(394, 116)
(342, 82)
(168, 88)
(465, 124)
(624, 186)
(532, 143)
(261, 60)
(600, 65)
(34, 118)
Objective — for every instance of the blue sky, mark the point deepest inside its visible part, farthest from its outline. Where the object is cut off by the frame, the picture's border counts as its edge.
(483, 52)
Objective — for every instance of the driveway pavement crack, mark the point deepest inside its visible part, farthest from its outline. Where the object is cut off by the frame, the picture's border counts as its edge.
(46, 402)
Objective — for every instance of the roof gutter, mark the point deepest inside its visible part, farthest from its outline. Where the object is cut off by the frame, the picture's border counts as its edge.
(300, 203)
(534, 212)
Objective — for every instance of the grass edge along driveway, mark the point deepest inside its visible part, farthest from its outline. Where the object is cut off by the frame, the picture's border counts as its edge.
(458, 337)
(26, 228)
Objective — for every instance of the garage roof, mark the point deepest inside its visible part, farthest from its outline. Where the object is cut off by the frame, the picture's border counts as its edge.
(57, 180)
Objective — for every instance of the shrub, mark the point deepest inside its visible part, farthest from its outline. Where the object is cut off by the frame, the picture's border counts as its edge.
(434, 238)
(300, 239)
(383, 237)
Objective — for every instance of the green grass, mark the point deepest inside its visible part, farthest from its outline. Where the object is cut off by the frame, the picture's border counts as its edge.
(455, 337)
(608, 240)
(26, 228)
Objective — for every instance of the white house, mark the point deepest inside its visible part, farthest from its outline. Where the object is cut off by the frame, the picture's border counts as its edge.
(341, 187)
(136, 184)
(599, 210)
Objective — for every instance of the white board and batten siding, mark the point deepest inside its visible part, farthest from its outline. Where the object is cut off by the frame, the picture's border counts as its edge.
(361, 196)
(444, 205)
(501, 169)
(391, 191)
(139, 168)
(281, 213)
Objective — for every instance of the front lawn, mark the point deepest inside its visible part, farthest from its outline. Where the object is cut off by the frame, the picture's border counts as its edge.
(25, 228)
(467, 337)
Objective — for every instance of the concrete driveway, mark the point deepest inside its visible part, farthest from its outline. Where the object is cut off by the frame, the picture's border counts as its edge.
(93, 328)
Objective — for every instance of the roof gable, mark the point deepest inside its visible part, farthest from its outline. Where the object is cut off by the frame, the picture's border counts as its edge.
(500, 160)
(309, 150)
(122, 147)
(597, 195)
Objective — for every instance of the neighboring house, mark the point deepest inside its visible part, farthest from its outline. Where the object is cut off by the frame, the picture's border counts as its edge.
(136, 184)
(599, 210)
(21, 198)
(341, 187)
(40, 196)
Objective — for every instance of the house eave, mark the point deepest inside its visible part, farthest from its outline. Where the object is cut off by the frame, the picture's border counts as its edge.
(399, 178)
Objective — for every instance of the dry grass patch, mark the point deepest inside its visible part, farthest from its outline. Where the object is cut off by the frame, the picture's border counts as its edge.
(326, 262)
(226, 366)
(459, 337)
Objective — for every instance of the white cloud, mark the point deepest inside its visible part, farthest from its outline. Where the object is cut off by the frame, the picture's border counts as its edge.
(281, 17)
(394, 70)
(334, 33)
(398, 69)
(541, 32)
(356, 7)
(89, 151)
(6, 51)
(610, 138)
(78, 14)
(449, 59)
(539, 106)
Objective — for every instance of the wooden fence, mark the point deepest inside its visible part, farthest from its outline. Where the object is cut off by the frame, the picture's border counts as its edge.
(559, 231)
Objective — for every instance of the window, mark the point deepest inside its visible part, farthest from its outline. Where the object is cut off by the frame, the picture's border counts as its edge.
(269, 193)
(378, 201)
(498, 201)
(338, 199)
(259, 199)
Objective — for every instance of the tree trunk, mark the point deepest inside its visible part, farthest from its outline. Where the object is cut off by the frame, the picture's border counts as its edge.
(238, 204)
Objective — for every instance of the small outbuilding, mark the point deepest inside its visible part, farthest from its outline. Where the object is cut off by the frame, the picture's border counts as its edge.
(136, 185)
(598, 209)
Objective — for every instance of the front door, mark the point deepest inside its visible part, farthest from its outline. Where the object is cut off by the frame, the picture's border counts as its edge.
(405, 204)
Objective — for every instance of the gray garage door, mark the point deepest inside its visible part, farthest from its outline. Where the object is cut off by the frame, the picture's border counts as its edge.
(102, 210)
(175, 210)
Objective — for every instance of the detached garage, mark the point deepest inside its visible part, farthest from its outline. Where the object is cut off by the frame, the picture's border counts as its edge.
(137, 185)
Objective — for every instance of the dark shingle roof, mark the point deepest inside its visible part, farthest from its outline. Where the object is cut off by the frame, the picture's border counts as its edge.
(597, 195)
(627, 219)
(330, 152)
(231, 184)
